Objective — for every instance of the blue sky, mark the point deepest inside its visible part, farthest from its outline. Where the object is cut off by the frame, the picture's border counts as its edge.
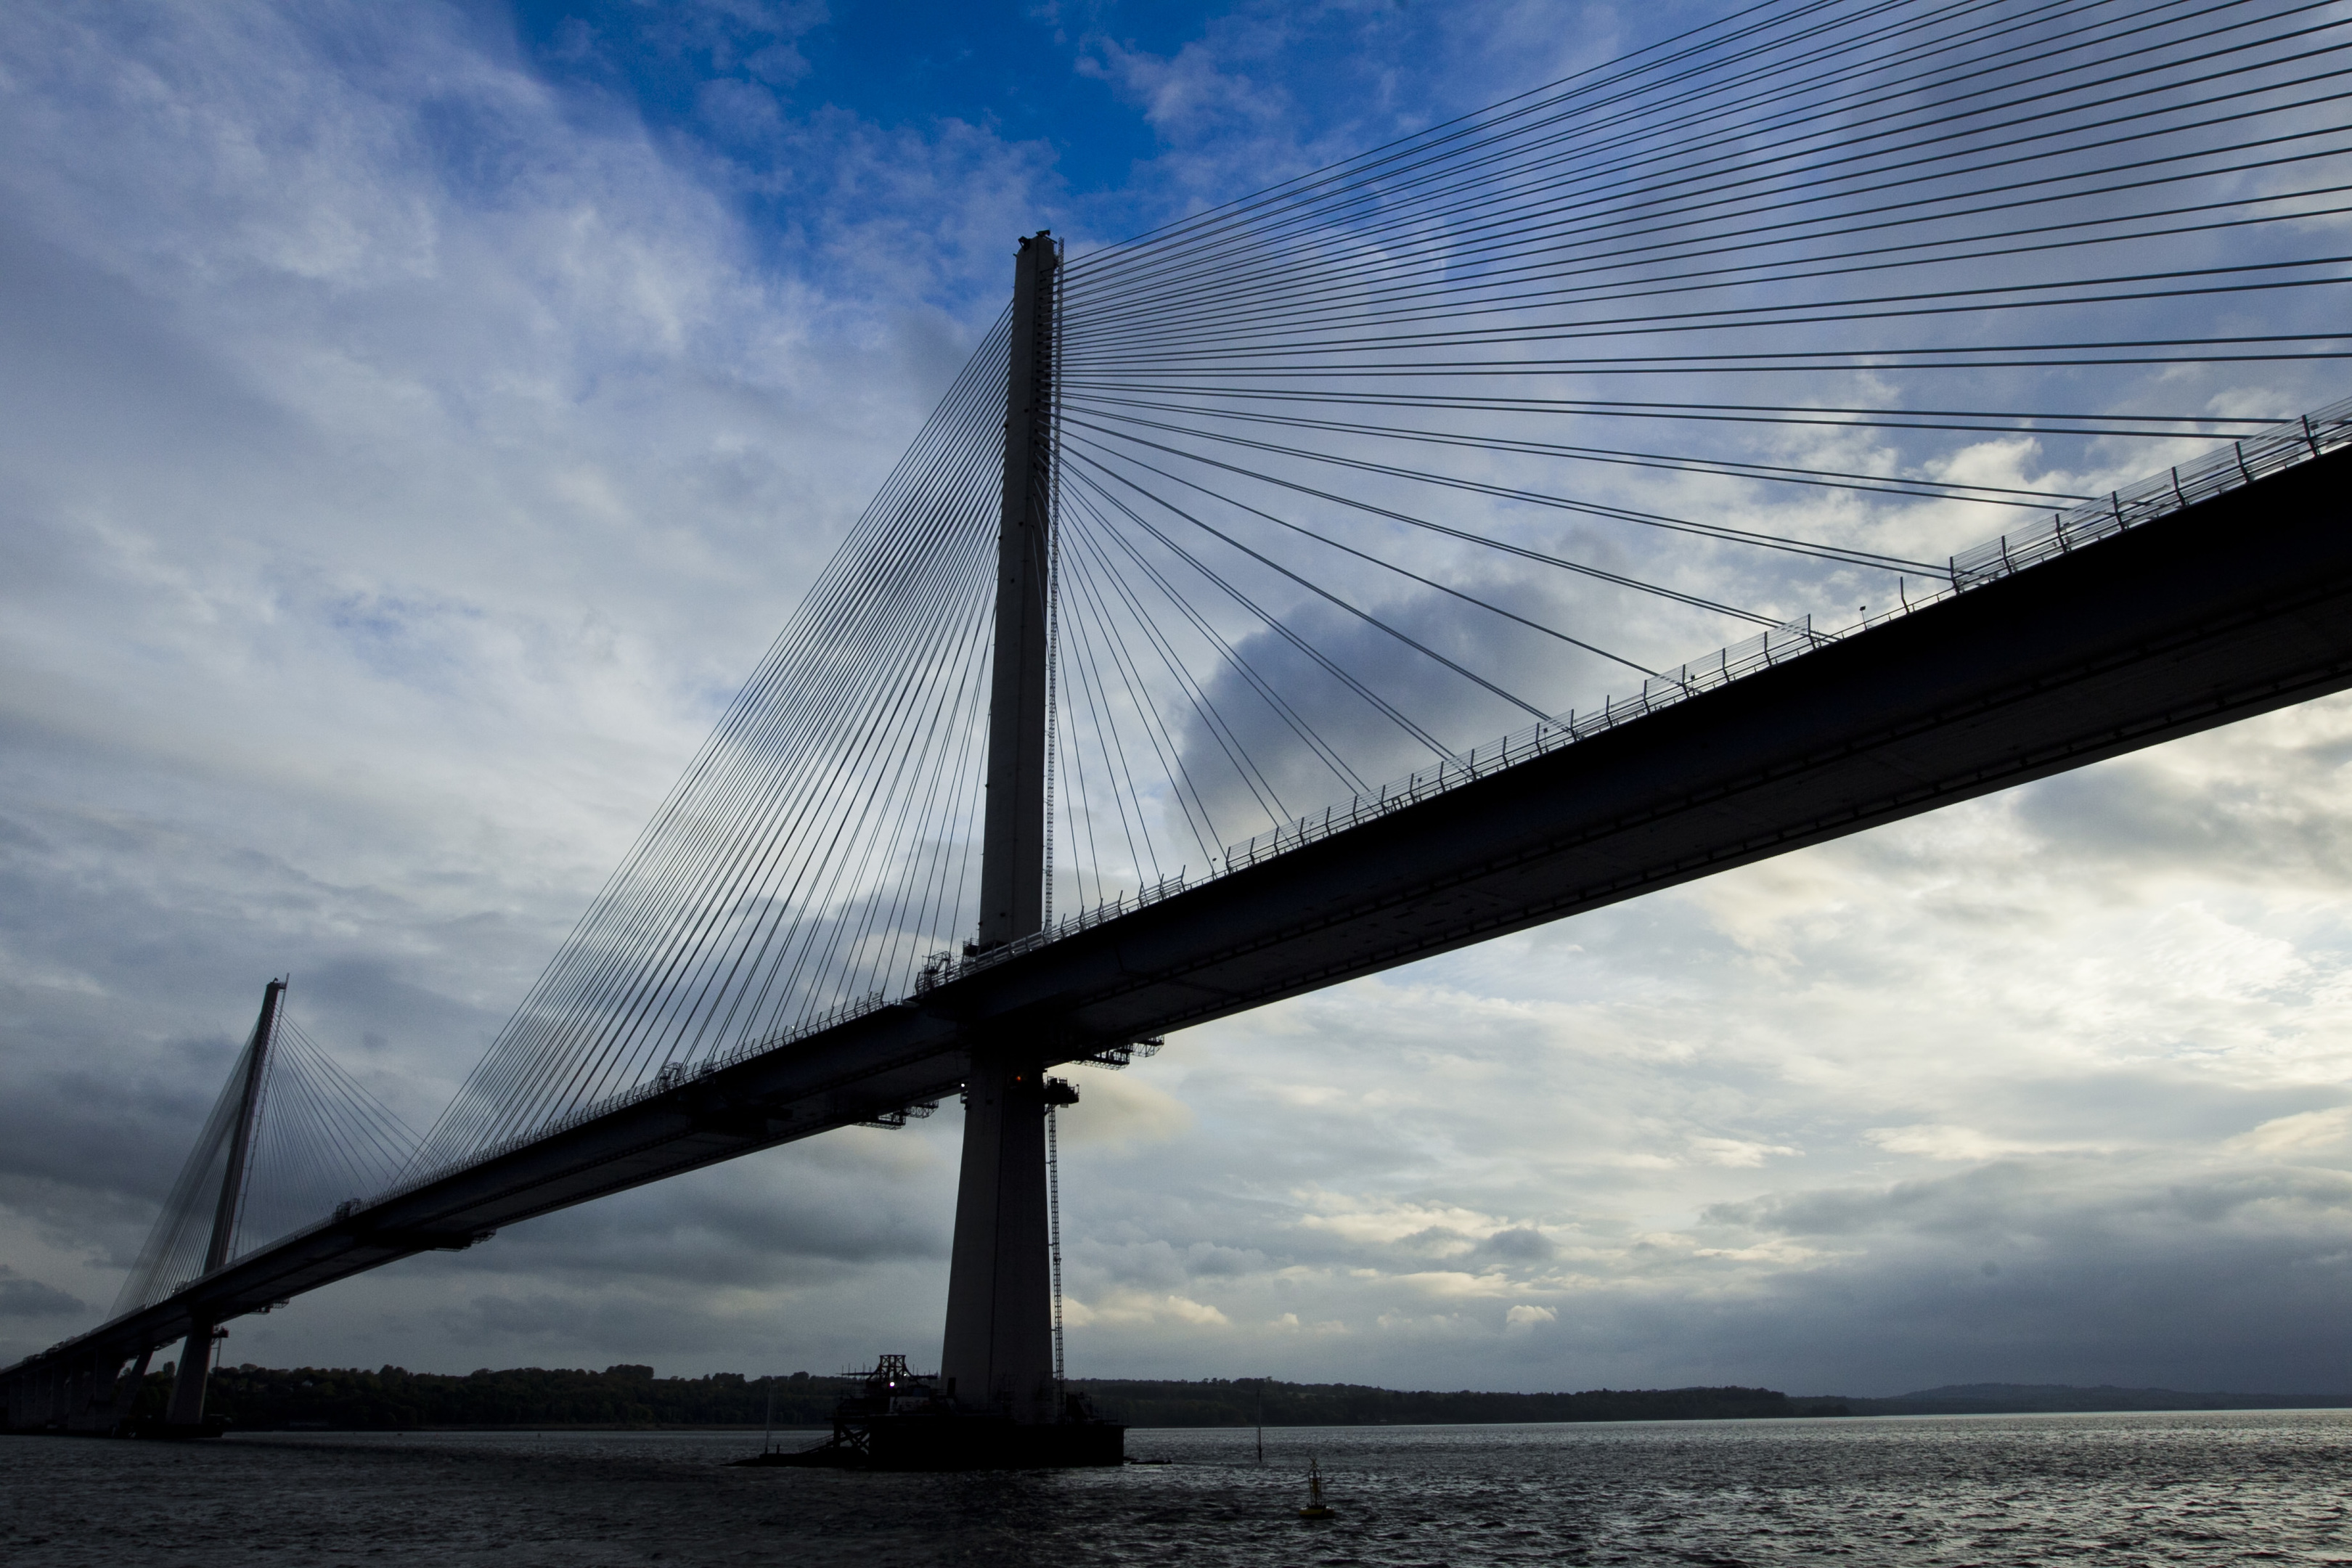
(1015, 70)
(417, 421)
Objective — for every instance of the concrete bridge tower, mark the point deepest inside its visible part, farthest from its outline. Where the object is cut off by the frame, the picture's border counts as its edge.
(999, 1352)
(187, 1408)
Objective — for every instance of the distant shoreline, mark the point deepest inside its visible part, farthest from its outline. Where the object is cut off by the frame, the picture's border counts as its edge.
(781, 1430)
(630, 1398)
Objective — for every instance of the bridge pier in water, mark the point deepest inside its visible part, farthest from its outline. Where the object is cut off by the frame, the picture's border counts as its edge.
(996, 1361)
(999, 1351)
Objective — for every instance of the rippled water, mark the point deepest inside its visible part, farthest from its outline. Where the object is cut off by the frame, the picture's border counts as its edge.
(2077, 1490)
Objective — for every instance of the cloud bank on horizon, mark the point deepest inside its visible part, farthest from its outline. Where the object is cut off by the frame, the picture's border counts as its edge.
(418, 423)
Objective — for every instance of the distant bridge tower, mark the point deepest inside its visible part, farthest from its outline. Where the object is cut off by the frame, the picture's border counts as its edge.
(999, 1354)
(187, 1408)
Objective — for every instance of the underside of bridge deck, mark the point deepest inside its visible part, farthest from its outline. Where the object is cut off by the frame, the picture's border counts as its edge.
(2229, 608)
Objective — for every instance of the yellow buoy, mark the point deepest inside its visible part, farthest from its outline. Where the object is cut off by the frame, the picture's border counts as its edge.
(1315, 1508)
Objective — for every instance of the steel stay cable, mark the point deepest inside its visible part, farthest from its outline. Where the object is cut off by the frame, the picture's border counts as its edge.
(751, 704)
(1066, 736)
(838, 666)
(815, 788)
(1212, 718)
(1164, 745)
(1365, 615)
(1939, 490)
(1715, 319)
(844, 581)
(167, 1242)
(1089, 599)
(1234, 348)
(1497, 276)
(1139, 701)
(1764, 243)
(1080, 819)
(1579, 568)
(1622, 514)
(1266, 690)
(1448, 164)
(1160, 318)
(643, 1016)
(1107, 717)
(816, 860)
(1416, 576)
(382, 1126)
(1417, 207)
(885, 797)
(915, 913)
(1724, 278)
(1557, 235)
(626, 1046)
(1730, 413)
(1715, 364)
(782, 855)
(1114, 361)
(955, 698)
(957, 711)
(1551, 232)
(1588, 183)
(1083, 807)
(965, 784)
(1418, 211)
(1107, 262)
(776, 666)
(1220, 729)
(289, 1150)
(840, 868)
(917, 758)
(572, 1010)
(315, 1140)
(979, 571)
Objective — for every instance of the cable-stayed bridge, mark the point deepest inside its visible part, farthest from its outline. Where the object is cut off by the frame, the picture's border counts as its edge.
(1430, 467)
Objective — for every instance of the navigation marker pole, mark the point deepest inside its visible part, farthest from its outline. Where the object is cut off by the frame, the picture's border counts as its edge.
(997, 1357)
(187, 1406)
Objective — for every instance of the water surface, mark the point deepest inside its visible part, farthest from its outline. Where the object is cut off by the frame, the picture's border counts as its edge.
(2238, 1487)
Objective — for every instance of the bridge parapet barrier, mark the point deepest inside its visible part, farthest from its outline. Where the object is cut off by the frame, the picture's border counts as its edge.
(1774, 645)
(2217, 472)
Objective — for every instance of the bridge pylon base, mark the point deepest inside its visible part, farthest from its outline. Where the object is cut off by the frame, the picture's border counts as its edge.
(959, 1442)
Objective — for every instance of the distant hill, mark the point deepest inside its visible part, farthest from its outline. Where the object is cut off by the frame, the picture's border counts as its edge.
(2057, 1398)
(1235, 1401)
(1220, 1402)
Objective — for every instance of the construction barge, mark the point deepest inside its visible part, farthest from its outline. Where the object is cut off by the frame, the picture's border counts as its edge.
(900, 1420)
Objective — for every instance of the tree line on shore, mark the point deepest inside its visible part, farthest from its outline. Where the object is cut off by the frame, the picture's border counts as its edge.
(256, 1398)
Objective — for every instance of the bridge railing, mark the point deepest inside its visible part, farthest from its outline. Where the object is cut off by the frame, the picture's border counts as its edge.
(2217, 472)
(1775, 646)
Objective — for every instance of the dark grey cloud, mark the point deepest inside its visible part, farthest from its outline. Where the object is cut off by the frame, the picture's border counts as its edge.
(22, 1298)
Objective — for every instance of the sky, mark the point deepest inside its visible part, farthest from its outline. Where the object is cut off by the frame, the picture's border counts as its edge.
(418, 420)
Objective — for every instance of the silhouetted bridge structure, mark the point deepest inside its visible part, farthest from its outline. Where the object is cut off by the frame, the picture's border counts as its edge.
(2215, 590)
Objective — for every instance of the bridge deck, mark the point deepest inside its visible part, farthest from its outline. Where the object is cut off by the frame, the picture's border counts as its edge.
(2231, 608)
